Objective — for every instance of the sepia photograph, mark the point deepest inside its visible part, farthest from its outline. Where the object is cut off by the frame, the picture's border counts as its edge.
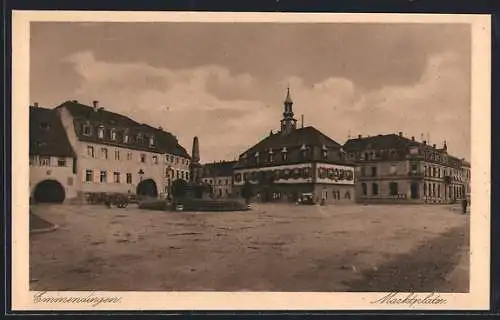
(234, 155)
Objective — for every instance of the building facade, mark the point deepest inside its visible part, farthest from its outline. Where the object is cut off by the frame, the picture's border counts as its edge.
(296, 161)
(219, 176)
(117, 154)
(393, 168)
(52, 159)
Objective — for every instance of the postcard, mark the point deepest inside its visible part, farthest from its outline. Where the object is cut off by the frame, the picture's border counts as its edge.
(250, 161)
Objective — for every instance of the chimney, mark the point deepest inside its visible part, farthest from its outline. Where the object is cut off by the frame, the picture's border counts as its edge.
(359, 136)
(425, 142)
(95, 104)
(35, 104)
(400, 133)
(302, 121)
(434, 146)
(412, 138)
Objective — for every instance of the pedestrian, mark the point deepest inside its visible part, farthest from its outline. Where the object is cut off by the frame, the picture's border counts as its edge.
(464, 205)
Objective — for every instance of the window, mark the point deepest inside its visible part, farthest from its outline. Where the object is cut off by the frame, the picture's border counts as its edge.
(155, 159)
(374, 189)
(363, 171)
(104, 176)
(116, 177)
(129, 155)
(129, 178)
(177, 174)
(104, 152)
(90, 151)
(140, 139)
(100, 133)
(89, 175)
(425, 189)
(393, 188)
(86, 130)
(44, 161)
(439, 190)
(187, 175)
(176, 160)
(271, 157)
(363, 189)
(325, 154)
(374, 171)
(183, 161)
(166, 158)
(143, 157)
(182, 175)
(125, 138)
(113, 134)
(284, 156)
(227, 182)
(61, 162)
(152, 141)
(117, 155)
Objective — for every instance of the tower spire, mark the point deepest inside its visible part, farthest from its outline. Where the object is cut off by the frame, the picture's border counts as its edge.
(288, 123)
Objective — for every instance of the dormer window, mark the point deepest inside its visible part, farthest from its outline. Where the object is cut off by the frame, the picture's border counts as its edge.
(324, 152)
(271, 155)
(100, 132)
(303, 152)
(257, 157)
(113, 134)
(86, 130)
(140, 138)
(284, 154)
(125, 138)
(151, 141)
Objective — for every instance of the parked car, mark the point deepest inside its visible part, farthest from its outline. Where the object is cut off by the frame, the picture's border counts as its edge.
(306, 198)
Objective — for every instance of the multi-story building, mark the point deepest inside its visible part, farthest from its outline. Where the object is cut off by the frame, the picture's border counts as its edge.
(52, 159)
(219, 175)
(117, 154)
(296, 161)
(393, 168)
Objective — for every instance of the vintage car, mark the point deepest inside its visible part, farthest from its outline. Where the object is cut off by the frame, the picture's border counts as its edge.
(120, 200)
(306, 198)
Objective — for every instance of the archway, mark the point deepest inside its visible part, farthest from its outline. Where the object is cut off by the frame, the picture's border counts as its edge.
(49, 191)
(147, 188)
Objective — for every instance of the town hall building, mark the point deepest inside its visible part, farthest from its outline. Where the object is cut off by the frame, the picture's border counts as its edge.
(296, 161)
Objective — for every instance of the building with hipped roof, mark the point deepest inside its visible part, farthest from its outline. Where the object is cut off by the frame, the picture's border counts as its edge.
(117, 154)
(52, 160)
(295, 161)
(396, 169)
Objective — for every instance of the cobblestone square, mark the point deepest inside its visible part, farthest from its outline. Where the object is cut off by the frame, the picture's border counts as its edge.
(274, 247)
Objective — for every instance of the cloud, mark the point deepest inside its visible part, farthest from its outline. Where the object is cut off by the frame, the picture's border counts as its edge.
(230, 112)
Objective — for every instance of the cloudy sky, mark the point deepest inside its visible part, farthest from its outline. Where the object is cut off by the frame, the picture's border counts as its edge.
(226, 83)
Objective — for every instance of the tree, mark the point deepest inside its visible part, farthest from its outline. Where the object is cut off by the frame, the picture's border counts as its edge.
(247, 191)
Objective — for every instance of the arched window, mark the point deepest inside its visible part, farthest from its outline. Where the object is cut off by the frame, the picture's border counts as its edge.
(100, 132)
(425, 189)
(364, 189)
(375, 189)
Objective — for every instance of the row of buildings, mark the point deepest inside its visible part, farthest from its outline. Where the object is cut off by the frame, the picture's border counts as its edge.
(293, 161)
(77, 150)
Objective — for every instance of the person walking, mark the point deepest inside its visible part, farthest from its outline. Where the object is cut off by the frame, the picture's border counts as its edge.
(464, 205)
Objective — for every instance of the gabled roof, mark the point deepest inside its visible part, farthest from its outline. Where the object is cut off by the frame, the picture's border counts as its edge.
(81, 111)
(308, 136)
(220, 169)
(165, 141)
(387, 141)
(47, 135)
